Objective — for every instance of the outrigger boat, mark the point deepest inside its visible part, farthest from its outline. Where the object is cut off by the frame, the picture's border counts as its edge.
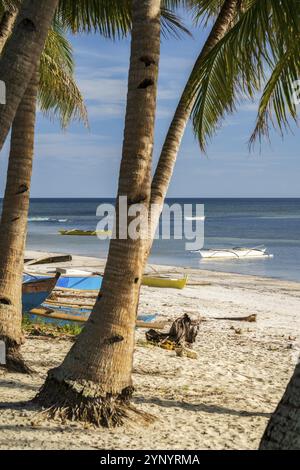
(164, 281)
(195, 217)
(234, 253)
(62, 315)
(85, 280)
(86, 233)
(35, 292)
(70, 278)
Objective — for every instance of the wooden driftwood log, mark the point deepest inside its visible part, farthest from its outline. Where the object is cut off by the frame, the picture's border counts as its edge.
(249, 318)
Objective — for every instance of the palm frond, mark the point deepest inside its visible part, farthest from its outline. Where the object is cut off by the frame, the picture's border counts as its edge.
(277, 103)
(236, 67)
(112, 18)
(172, 25)
(59, 94)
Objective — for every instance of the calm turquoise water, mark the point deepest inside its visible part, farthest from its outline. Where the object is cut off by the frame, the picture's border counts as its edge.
(229, 222)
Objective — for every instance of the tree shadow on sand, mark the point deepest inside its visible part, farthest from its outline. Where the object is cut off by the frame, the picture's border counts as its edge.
(19, 405)
(16, 384)
(197, 407)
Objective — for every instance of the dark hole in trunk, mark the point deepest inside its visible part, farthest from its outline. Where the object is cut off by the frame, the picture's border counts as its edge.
(146, 83)
(147, 60)
(28, 25)
(114, 339)
(5, 301)
(22, 189)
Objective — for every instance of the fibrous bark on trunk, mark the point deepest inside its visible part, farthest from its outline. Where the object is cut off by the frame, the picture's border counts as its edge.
(22, 54)
(6, 25)
(283, 429)
(13, 227)
(94, 381)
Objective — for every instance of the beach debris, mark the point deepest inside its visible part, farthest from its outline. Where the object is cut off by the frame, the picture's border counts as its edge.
(182, 334)
(238, 331)
(183, 351)
(248, 318)
(49, 259)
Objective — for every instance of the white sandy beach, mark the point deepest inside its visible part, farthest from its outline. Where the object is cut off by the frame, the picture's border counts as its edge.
(221, 400)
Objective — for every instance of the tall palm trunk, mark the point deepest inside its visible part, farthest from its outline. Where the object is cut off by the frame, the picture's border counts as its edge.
(21, 56)
(94, 381)
(13, 226)
(168, 156)
(283, 429)
(6, 25)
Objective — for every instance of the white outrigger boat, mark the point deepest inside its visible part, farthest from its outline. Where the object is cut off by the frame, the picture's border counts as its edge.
(195, 217)
(235, 253)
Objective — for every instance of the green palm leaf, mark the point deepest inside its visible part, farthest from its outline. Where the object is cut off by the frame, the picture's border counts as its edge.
(236, 67)
(277, 98)
(112, 18)
(58, 93)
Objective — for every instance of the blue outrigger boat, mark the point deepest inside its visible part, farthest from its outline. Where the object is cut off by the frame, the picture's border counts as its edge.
(36, 291)
(76, 281)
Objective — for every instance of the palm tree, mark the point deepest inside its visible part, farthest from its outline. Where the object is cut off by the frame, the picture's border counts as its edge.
(94, 381)
(282, 431)
(110, 17)
(54, 87)
(261, 51)
(57, 91)
(263, 38)
(166, 163)
(18, 62)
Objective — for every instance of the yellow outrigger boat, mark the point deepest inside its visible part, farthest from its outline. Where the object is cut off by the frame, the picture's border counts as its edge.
(164, 281)
(86, 233)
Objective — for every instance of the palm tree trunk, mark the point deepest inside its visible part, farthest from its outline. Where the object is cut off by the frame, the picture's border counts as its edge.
(13, 226)
(94, 382)
(21, 56)
(168, 156)
(6, 25)
(283, 429)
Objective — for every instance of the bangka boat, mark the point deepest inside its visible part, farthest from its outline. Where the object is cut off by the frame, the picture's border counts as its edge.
(201, 217)
(71, 278)
(86, 233)
(234, 253)
(35, 292)
(164, 281)
(61, 315)
(85, 280)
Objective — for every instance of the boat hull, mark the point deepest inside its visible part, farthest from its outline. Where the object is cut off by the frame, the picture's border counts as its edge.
(233, 254)
(35, 292)
(164, 282)
(62, 316)
(94, 282)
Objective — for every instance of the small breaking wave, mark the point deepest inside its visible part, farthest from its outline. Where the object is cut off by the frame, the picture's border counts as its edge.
(46, 219)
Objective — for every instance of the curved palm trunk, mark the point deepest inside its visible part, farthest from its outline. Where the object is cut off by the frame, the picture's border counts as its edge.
(6, 25)
(283, 429)
(22, 54)
(168, 156)
(13, 226)
(94, 381)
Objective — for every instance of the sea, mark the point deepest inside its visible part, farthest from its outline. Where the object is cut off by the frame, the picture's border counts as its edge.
(274, 223)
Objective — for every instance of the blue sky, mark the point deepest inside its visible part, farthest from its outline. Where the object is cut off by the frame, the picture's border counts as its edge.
(85, 163)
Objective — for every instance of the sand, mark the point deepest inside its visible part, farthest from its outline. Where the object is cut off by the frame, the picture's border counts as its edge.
(221, 400)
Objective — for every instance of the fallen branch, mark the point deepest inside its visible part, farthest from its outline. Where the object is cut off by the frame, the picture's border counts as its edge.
(249, 318)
